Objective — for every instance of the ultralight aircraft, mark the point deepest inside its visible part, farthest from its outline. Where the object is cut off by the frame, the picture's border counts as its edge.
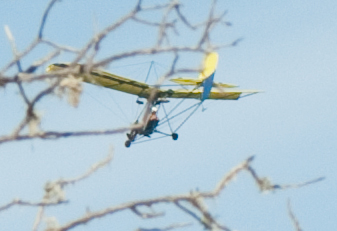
(201, 88)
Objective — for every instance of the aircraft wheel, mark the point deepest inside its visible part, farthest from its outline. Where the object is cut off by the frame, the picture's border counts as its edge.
(127, 143)
(174, 136)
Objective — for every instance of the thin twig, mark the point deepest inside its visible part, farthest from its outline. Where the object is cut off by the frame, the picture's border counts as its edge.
(56, 135)
(174, 226)
(90, 171)
(293, 218)
(44, 17)
(38, 218)
(28, 203)
(167, 199)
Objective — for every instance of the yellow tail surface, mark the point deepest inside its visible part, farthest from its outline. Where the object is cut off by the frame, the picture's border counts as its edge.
(209, 65)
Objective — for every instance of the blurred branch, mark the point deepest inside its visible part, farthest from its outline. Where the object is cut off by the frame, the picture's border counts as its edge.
(56, 135)
(146, 215)
(293, 218)
(174, 226)
(54, 194)
(15, 54)
(191, 198)
(87, 174)
(35, 42)
(28, 203)
(300, 184)
(195, 199)
(44, 18)
(38, 218)
(265, 184)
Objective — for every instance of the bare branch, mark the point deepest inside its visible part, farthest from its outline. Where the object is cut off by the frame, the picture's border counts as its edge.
(100, 36)
(190, 198)
(87, 174)
(300, 184)
(293, 218)
(147, 51)
(20, 56)
(229, 177)
(38, 218)
(53, 191)
(149, 23)
(28, 203)
(12, 41)
(183, 18)
(146, 215)
(56, 135)
(192, 214)
(265, 184)
(44, 18)
(163, 25)
(15, 54)
(174, 226)
(42, 61)
(60, 47)
(35, 42)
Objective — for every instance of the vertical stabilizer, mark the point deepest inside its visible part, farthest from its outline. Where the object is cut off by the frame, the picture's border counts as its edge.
(209, 65)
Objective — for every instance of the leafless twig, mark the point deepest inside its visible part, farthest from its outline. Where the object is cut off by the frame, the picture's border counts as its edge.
(266, 185)
(177, 199)
(53, 190)
(293, 218)
(174, 226)
(28, 203)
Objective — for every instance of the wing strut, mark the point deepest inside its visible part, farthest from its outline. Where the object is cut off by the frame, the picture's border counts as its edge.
(168, 121)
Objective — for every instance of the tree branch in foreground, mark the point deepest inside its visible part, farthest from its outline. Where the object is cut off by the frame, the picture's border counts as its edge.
(54, 194)
(194, 199)
(293, 218)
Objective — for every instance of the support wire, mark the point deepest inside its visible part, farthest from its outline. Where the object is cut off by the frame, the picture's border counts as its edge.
(168, 121)
(178, 114)
(188, 116)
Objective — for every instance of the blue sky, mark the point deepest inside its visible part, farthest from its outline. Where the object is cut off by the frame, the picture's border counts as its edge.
(288, 50)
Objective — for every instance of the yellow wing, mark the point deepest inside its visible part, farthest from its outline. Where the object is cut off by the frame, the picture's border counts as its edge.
(143, 90)
(105, 79)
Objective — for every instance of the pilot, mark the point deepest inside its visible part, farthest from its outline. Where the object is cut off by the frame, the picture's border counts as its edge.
(153, 116)
(153, 121)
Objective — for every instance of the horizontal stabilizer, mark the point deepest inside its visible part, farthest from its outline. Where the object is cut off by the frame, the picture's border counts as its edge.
(195, 82)
(224, 85)
(190, 82)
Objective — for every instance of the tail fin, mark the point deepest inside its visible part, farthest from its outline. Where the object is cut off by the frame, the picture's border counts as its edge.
(209, 65)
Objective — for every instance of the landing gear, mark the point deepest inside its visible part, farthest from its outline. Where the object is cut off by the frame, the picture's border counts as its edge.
(174, 136)
(127, 143)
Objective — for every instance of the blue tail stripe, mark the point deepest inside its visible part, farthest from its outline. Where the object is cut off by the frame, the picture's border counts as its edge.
(207, 84)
